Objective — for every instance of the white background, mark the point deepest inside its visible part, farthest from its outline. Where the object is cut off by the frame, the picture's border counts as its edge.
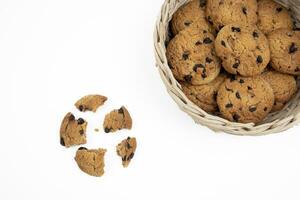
(52, 52)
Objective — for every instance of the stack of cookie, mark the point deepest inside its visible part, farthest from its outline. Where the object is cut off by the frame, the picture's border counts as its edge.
(238, 59)
(73, 133)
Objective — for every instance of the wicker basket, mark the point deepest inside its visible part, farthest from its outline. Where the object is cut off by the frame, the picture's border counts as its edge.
(274, 123)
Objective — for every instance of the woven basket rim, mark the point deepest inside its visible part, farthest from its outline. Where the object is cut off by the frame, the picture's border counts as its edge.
(275, 122)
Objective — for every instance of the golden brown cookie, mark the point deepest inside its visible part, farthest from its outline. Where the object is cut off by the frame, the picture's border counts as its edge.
(220, 13)
(90, 103)
(72, 131)
(272, 16)
(284, 87)
(117, 120)
(205, 95)
(190, 14)
(192, 57)
(126, 150)
(91, 161)
(243, 50)
(285, 51)
(245, 99)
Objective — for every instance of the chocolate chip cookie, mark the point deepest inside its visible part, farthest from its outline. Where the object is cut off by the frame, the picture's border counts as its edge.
(190, 14)
(90, 103)
(72, 131)
(272, 16)
(126, 150)
(245, 99)
(220, 13)
(117, 120)
(244, 50)
(285, 51)
(91, 161)
(192, 57)
(284, 87)
(205, 95)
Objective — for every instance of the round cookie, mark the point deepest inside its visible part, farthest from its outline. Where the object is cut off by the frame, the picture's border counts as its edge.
(243, 50)
(284, 87)
(220, 13)
(190, 14)
(192, 57)
(272, 16)
(285, 51)
(245, 99)
(204, 96)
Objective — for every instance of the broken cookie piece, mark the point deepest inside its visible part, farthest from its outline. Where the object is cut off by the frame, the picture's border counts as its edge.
(117, 120)
(91, 161)
(90, 103)
(126, 150)
(72, 131)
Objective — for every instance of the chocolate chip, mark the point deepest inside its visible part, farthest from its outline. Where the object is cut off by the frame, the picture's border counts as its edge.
(208, 60)
(255, 34)
(80, 121)
(252, 108)
(204, 31)
(128, 145)
(229, 105)
(259, 59)
(204, 75)
(297, 69)
(236, 117)
(196, 66)
(293, 48)
(81, 132)
(238, 96)
(130, 156)
(236, 65)
(296, 29)
(62, 142)
(249, 88)
(202, 3)
(235, 29)
(233, 78)
(185, 55)
(124, 158)
(221, 26)
(209, 20)
(188, 78)
(242, 81)
(187, 23)
(279, 9)
(81, 108)
(128, 138)
(223, 43)
(107, 130)
(207, 40)
(82, 148)
(170, 66)
(265, 109)
(228, 89)
(121, 111)
(244, 10)
(198, 43)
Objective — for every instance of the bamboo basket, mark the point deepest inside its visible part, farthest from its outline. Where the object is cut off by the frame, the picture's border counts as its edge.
(274, 123)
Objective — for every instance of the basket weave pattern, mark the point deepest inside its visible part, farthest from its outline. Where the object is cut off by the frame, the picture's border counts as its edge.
(274, 123)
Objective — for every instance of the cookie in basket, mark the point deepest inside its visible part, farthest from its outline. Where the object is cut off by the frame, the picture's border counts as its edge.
(284, 87)
(191, 56)
(245, 99)
(204, 96)
(220, 13)
(190, 14)
(243, 50)
(272, 16)
(285, 51)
